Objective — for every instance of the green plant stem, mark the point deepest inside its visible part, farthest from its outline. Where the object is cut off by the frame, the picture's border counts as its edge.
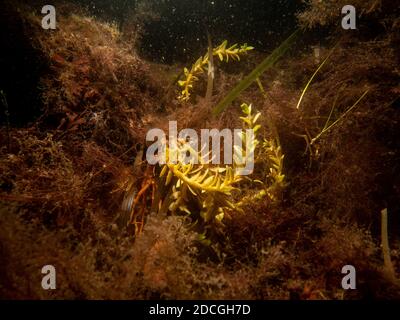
(313, 140)
(333, 108)
(313, 76)
(261, 87)
(256, 73)
(210, 71)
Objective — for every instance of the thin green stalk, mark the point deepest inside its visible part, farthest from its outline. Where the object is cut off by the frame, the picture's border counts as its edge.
(210, 71)
(333, 108)
(313, 76)
(340, 118)
(256, 73)
(261, 87)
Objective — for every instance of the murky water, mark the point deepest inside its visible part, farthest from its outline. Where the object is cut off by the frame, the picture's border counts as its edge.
(205, 149)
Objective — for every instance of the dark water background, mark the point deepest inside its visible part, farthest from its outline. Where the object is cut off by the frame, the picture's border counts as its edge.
(181, 28)
(177, 35)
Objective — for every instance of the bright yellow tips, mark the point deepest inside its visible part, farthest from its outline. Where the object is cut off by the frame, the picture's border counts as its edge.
(233, 52)
(200, 66)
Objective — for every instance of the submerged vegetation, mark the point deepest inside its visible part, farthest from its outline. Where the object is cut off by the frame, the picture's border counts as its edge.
(77, 192)
(201, 65)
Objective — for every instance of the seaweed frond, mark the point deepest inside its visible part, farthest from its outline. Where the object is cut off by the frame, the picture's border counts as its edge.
(276, 177)
(224, 54)
(201, 189)
(270, 156)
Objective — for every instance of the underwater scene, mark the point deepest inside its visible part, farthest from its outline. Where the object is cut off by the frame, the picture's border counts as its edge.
(200, 150)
